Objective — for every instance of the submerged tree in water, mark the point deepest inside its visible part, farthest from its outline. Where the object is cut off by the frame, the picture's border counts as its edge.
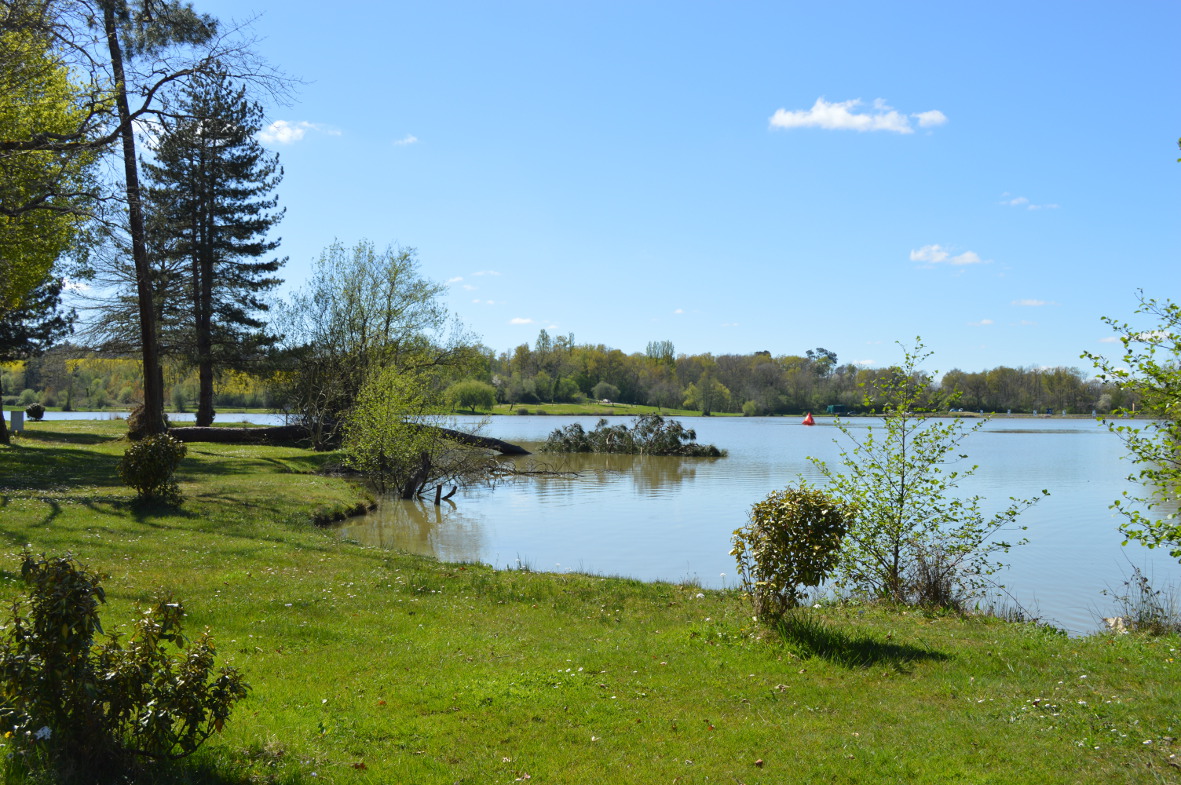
(650, 434)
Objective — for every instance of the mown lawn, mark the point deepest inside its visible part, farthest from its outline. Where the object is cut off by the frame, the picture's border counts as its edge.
(377, 667)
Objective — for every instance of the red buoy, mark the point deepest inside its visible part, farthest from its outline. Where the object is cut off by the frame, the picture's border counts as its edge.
(808, 419)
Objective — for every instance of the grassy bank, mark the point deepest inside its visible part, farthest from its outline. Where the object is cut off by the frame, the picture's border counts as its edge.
(373, 667)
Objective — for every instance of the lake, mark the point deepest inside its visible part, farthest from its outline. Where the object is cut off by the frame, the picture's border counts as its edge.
(657, 518)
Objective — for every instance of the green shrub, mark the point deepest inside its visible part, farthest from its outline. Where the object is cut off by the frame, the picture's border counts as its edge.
(27, 397)
(87, 711)
(793, 540)
(471, 394)
(605, 391)
(148, 466)
(34, 411)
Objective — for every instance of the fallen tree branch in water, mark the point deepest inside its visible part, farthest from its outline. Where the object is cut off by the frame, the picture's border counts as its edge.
(286, 434)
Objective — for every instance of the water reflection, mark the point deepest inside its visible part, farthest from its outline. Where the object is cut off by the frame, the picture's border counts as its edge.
(650, 473)
(658, 518)
(447, 532)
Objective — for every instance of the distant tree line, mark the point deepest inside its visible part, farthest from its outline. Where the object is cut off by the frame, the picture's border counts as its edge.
(558, 370)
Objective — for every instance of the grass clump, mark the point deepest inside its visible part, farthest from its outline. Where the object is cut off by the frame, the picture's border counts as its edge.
(1144, 608)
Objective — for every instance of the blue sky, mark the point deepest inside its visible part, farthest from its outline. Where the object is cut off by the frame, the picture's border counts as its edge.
(741, 176)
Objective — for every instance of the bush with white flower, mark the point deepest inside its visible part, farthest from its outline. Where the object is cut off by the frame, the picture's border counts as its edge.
(80, 709)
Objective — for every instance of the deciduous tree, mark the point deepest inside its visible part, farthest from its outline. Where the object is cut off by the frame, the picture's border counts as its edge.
(362, 310)
(913, 539)
(41, 190)
(1150, 370)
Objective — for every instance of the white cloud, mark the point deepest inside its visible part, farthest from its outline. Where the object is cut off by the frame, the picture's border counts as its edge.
(405, 140)
(1032, 303)
(729, 324)
(865, 363)
(485, 302)
(842, 116)
(520, 320)
(1109, 339)
(1022, 201)
(467, 287)
(486, 272)
(679, 310)
(937, 254)
(284, 132)
(456, 279)
(931, 118)
(981, 323)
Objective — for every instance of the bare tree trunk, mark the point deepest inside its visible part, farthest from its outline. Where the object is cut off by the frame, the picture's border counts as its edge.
(153, 378)
(419, 478)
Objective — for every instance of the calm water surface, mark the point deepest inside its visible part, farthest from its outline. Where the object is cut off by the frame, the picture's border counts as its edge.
(671, 519)
(254, 418)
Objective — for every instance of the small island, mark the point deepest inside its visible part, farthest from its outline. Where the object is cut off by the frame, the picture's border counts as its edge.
(649, 434)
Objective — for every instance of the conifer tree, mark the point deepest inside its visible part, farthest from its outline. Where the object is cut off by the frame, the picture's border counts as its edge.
(211, 205)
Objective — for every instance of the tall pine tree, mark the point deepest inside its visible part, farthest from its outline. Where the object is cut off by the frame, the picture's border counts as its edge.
(211, 206)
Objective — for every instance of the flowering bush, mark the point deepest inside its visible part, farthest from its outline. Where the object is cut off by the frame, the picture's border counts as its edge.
(793, 540)
(84, 710)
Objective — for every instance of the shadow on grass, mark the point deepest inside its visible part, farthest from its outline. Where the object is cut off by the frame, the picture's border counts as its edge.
(205, 768)
(809, 636)
(219, 463)
(66, 437)
(29, 468)
(150, 509)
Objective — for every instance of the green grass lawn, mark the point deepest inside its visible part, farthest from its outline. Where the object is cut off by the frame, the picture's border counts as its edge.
(370, 666)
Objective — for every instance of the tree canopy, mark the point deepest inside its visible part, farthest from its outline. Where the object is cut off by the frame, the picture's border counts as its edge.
(362, 311)
(43, 192)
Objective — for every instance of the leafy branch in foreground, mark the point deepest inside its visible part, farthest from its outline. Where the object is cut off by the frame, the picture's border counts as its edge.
(650, 434)
(1150, 372)
(912, 540)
